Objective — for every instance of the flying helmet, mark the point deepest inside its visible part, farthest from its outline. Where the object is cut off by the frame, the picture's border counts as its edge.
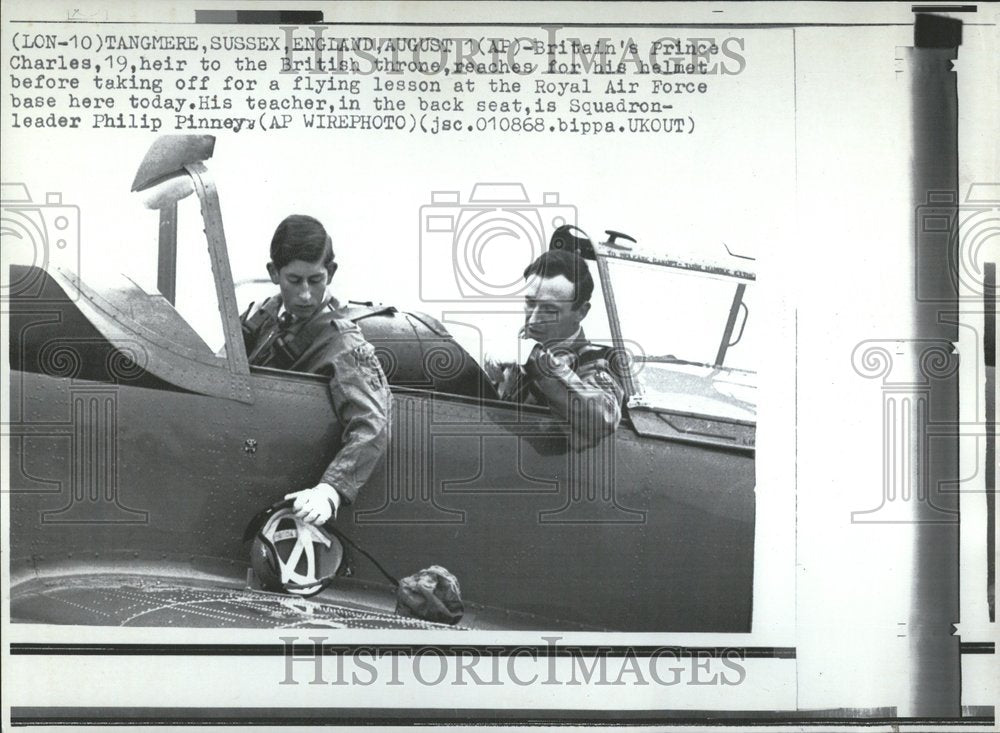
(294, 556)
(572, 238)
(291, 555)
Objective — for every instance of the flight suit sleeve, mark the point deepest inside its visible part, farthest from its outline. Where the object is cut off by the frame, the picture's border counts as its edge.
(362, 402)
(589, 399)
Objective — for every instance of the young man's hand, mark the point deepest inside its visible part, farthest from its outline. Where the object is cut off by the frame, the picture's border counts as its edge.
(316, 505)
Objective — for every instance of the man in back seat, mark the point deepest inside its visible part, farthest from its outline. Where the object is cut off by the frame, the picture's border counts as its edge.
(565, 371)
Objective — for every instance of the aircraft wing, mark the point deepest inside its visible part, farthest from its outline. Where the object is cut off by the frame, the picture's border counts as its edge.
(171, 596)
(140, 600)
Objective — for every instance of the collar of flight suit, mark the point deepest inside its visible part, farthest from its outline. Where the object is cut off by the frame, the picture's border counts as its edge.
(328, 300)
(574, 343)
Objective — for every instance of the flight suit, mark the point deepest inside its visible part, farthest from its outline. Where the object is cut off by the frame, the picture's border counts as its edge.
(333, 347)
(576, 379)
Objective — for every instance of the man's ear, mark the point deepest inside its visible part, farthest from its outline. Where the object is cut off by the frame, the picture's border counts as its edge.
(331, 269)
(583, 310)
(273, 272)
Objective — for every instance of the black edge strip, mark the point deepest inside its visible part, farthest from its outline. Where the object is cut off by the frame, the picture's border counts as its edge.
(259, 17)
(23, 716)
(305, 647)
(271, 650)
(500, 24)
(935, 31)
(990, 360)
(944, 8)
(977, 647)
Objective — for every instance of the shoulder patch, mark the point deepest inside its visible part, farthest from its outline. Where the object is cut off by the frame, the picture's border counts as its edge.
(593, 352)
(344, 325)
(366, 360)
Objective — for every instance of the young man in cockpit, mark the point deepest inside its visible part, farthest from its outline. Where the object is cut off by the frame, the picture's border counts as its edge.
(298, 329)
(564, 370)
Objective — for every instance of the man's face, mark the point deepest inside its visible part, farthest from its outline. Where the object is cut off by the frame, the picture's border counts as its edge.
(303, 285)
(549, 315)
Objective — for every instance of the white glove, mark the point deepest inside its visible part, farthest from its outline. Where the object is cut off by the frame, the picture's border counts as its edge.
(316, 505)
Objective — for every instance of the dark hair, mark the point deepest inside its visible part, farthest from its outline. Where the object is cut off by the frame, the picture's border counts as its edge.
(570, 265)
(300, 237)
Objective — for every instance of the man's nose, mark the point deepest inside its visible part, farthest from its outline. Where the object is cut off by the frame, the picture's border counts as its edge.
(304, 296)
